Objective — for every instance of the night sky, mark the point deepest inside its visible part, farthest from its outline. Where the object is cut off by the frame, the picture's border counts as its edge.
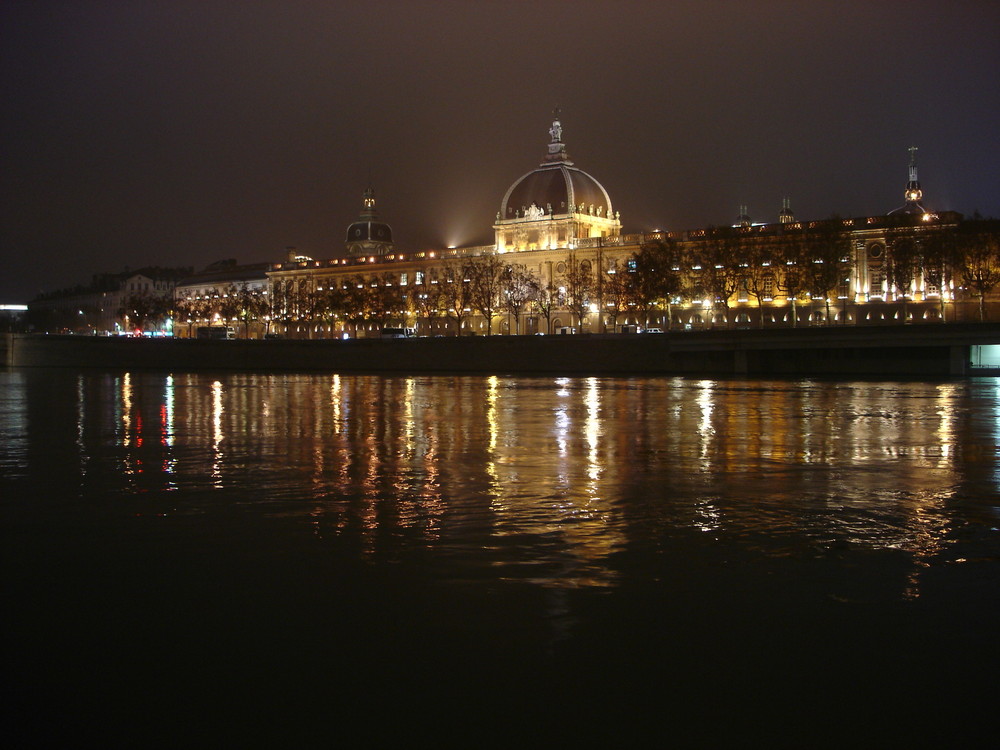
(179, 133)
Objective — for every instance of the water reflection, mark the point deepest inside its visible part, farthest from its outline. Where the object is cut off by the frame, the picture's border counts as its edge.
(531, 479)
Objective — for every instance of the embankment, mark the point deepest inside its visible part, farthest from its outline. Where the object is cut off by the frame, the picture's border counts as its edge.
(938, 350)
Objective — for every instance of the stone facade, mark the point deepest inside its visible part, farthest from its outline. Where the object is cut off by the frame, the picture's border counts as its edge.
(557, 224)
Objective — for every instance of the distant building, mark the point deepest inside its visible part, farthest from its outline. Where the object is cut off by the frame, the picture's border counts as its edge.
(12, 318)
(112, 303)
(560, 263)
(224, 293)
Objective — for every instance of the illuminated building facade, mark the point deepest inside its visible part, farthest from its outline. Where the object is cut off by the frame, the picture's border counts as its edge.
(224, 293)
(558, 223)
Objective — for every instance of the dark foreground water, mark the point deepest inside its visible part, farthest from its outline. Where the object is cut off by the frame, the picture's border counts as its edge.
(313, 559)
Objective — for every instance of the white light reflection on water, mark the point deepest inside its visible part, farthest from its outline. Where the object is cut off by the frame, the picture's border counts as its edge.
(167, 431)
(545, 480)
(593, 433)
(126, 408)
(708, 517)
(996, 446)
(81, 402)
(549, 489)
(946, 399)
(217, 434)
(705, 429)
(14, 424)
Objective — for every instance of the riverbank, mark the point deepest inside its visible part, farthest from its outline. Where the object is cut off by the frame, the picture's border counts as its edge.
(939, 350)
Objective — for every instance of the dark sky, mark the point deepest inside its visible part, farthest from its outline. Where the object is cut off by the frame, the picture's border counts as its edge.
(165, 132)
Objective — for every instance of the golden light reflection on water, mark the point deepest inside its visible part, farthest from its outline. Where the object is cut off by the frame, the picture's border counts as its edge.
(217, 434)
(126, 408)
(549, 478)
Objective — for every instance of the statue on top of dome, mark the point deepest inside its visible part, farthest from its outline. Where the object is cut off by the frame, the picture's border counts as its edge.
(555, 132)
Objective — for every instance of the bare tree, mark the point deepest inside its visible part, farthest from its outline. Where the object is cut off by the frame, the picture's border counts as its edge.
(142, 309)
(550, 298)
(356, 301)
(655, 277)
(722, 272)
(427, 296)
(520, 286)
(793, 280)
(192, 310)
(279, 304)
(263, 304)
(580, 286)
(759, 266)
(902, 262)
(979, 242)
(616, 291)
(486, 280)
(456, 295)
(940, 251)
(244, 305)
(826, 255)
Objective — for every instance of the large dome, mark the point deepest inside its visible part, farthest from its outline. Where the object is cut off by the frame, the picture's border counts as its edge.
(556, 187)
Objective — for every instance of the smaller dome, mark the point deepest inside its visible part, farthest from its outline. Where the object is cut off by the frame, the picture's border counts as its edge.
(786, 216)
(368, 229)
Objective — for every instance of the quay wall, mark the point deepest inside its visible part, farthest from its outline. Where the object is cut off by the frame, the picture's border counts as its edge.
(899, 351)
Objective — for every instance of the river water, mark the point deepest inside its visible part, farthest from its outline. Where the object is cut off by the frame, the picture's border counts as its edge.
(472, 560)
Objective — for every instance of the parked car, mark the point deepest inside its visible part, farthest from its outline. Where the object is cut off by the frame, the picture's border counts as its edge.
(397, 333)
(652, 330)
(216, 332)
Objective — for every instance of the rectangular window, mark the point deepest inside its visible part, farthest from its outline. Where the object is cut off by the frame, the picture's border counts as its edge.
(875, 279)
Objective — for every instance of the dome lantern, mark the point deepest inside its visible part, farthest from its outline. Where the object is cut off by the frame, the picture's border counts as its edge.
(913, 195)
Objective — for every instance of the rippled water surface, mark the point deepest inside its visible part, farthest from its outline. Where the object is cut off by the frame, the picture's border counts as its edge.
(788, 549)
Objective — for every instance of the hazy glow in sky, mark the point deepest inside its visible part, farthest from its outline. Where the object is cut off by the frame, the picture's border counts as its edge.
(178, 133)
